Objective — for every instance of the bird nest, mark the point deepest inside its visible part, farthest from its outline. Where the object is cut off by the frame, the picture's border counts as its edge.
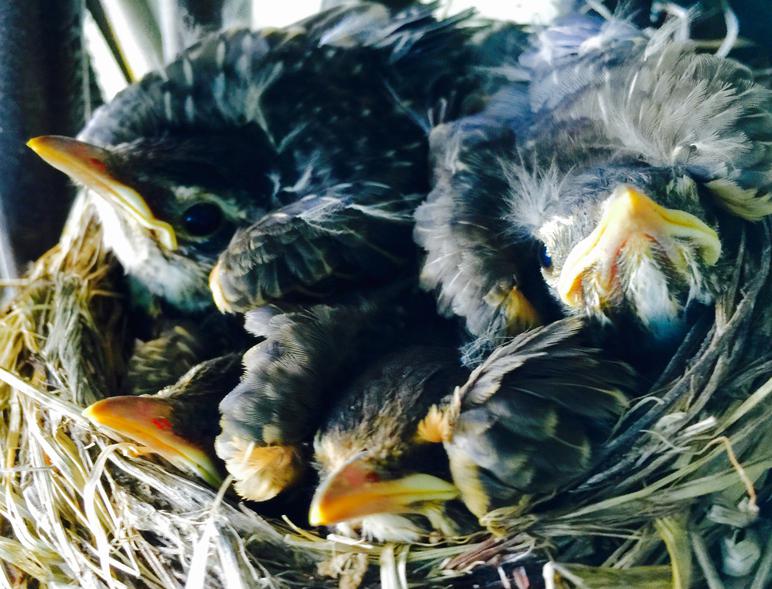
(684, 469)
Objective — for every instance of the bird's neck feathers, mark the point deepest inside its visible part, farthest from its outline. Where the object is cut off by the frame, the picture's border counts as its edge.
(429, 522)
(176, 279)
(649, 292)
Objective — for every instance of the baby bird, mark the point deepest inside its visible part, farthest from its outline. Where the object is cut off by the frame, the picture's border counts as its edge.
(416, 433)
(619, 162)
(267, 165)
(179, 422)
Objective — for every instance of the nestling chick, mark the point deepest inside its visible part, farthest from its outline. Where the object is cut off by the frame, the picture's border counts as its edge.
(179, 422)
(294, 157)
(304, 362)
(376, 470)
(401, 445)
(618, 159)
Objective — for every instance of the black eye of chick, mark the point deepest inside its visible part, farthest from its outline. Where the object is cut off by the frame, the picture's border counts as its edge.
(202, 219)
(544, 258)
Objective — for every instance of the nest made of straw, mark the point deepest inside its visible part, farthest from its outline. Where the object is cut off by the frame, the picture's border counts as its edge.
(685, 469)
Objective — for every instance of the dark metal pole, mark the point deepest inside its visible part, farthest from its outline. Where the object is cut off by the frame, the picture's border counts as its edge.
(42, 75)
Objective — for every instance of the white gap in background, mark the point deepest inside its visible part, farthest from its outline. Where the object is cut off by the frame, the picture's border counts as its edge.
(141, 46)
(520, 11)
(280, 13)
(109, 77)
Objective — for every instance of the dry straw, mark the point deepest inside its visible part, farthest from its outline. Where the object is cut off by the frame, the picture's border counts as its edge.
(686, 467)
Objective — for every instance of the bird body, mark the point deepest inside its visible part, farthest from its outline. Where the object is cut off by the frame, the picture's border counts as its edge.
(611, 166)
(295, 157)
(416, 432)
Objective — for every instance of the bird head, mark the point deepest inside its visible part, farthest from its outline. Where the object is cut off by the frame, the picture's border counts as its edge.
(381, 470)
(176, 423)
(387, 501)
(639, 245)
(168, 205)
(154, 424)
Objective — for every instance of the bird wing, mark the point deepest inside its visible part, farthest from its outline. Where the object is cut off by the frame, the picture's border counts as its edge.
(308, 247)
(279, 401)
(529, 419)
(289, 373)
(472, 261)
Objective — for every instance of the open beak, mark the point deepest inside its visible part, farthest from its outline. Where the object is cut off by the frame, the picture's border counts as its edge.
(355, 491)
(633, 222)
(87, 165)
(148, 421)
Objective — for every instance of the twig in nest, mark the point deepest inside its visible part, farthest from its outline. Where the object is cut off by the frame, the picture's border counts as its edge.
(726, 442)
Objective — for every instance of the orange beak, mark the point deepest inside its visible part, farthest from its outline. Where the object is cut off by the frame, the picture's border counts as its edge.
(87, 165)
(149, 421)
(355, 491)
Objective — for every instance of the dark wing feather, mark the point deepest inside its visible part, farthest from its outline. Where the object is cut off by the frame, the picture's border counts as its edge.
(310, 246)
(289, 375)
(472, 261)
(531, 416)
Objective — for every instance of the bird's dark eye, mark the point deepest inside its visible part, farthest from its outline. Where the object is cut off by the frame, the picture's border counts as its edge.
(202, 219)
(544, 258)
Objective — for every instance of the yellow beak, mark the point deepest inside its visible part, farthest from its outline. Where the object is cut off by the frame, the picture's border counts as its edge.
(87, 165)
(355, 491)
(633, 221)
(148, 421)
